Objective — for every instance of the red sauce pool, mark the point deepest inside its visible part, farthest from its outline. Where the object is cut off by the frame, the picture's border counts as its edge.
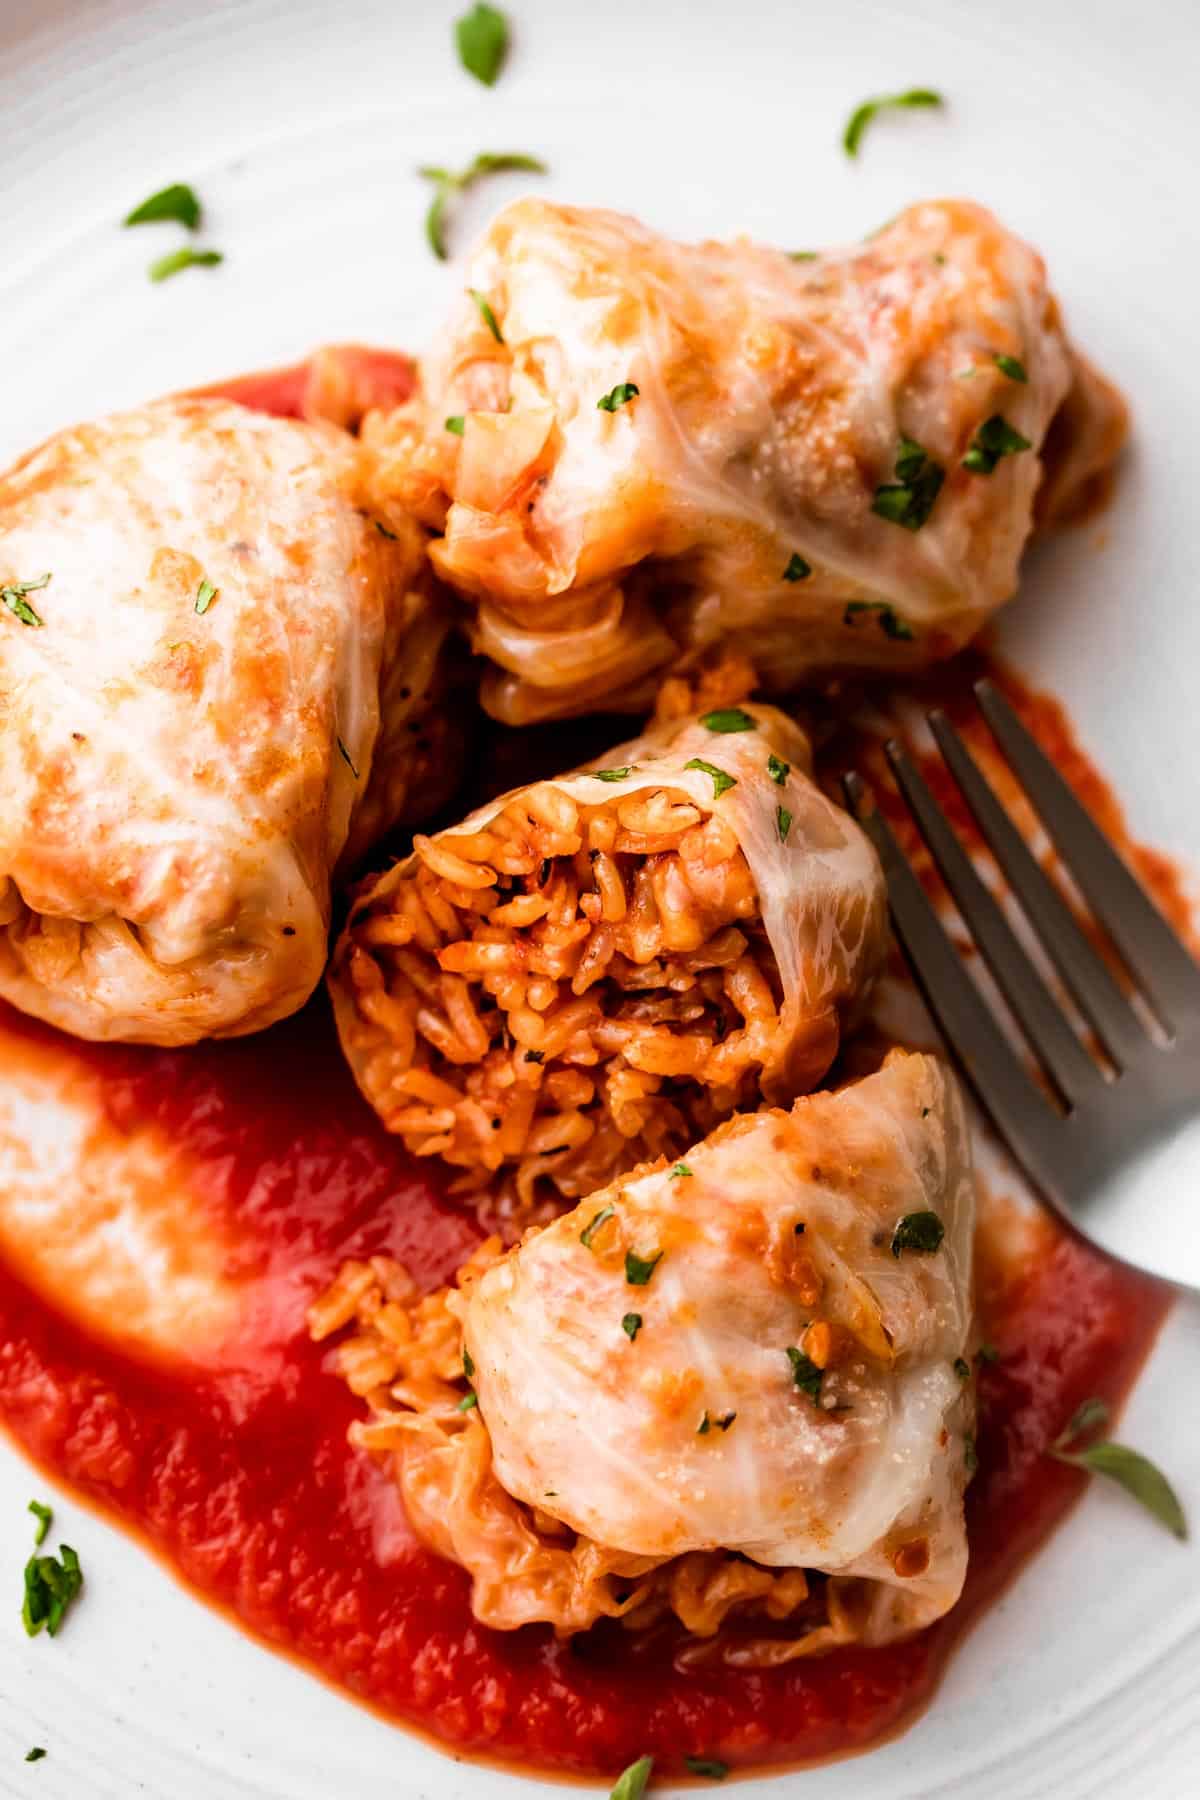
(237, 1470)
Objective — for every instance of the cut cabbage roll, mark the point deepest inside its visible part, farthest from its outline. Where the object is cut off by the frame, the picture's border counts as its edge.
(219, 677)
(831, 460)
(736, 1388)
(596, 969)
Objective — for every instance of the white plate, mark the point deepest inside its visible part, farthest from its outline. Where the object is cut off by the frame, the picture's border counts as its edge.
(300, 122)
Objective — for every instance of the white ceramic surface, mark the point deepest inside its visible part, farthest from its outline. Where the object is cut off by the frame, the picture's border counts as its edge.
(301, 123)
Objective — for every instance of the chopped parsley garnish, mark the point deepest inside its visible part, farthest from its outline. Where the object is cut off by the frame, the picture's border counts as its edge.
(805, 1373)
(862, 115)
(35, 1755)
(680, 1171)
(177, 202)
(589, 1231)
(51, 1584)
(890, 622)
(632, 1784)
(725, 1421)
(704, 1427)
(45, 1518)
(621, 395)
(383, 531)
(783, 823)
(720, 780)
(482, 39)
(347, 759)
(962, 1368)
(1140, 1478)
(468, 1402)
(448, 184)
(778, 770)
(994, 439)
(486, 314)
(456, 423)
(987, 1353)
(802, 255)
(613, 774)
(535, 1056)
(709, 1766)
(908, 500)
(468, 1365)
(631, 1324)
(187, 258)
(639, 1269)
(797, 569)
(728, 719)
(970, 1454)
(722, 1423)
(919, 1231)
(206, 593)
(1008, 365)
(13, 596)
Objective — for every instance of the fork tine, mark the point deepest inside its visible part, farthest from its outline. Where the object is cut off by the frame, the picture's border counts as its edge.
(1084, 972)
(1058, 1049)
(1020, 1111)
(1155, 955)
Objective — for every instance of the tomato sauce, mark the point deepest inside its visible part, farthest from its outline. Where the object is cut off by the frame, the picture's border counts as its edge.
(230, 1458)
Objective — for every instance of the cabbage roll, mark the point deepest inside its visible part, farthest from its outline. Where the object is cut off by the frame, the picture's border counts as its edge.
(737, 1388)
(831, 460)
(596, 969)
(219, 678)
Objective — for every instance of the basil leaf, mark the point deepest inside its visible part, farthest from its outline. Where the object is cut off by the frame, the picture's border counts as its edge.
(921, 1232)
(456, 423)
(639, 1269)
(778, 770)
(12, 595)
(863, 115)
(708, 1766)
(797, 569)
(908, 500)
(805, 1373)
(187, 258)
(206, 593)
(994, 439)
(35, 1755)
(680, 1171)
(728, 719)
(890, 622)
(347, 759)
(176, 202)
(783, 823)
(1008, 365)
(632, 1784)
(631, 1324)
(621, 395)
(44, 1516)
(613, 774)
(1137, 1475)
(486, 313)
(720, 780)
(482, 39)
(599, 1219)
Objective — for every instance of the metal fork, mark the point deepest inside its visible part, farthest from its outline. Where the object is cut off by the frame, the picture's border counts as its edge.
(1119, 1156)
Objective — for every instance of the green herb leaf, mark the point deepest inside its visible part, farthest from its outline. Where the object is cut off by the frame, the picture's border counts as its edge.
(728, 719)
(890, 622)
(725, 1421)
(1137, 1475)
(535, 1056)
(589, 1231)
(797, 569)
(176, 202)
(704, 1427)
(778, 770)
(962, 1368)
(45, 1518)
(468, 1365)
(51, 1584)
(456, 423)
(639, 1269)
(613, 774)
(631, 1324)
(346, 758)
(805, 1373)
(383, 531)
(994, 439)
(35, 1755)
(621, 395)
(468, 1402)
(1091, 1416)
(206, 593)
(1008, 365)
(970, 1454)
(720, 780)
(187, 258)
(987, 1353)
(802, 255)
(482, 39)
(13, 597)
(918, 1231)
(486, 314)
(632, 1784)
(680, 1171)
(908, 500)
(783, 823)
(448, 184)
(863, 115)
(708, 1766)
